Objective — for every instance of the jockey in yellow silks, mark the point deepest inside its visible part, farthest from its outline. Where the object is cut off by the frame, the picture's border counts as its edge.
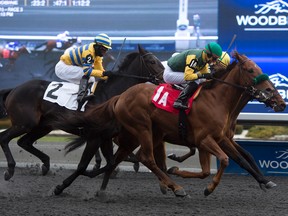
(84, 64)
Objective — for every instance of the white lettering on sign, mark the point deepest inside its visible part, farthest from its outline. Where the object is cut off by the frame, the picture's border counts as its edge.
(273, 164)
(261, 20)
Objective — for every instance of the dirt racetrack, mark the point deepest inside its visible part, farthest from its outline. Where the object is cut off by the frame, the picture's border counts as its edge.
(29, 193)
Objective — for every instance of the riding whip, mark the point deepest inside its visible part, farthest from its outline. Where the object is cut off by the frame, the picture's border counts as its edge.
(118, 54)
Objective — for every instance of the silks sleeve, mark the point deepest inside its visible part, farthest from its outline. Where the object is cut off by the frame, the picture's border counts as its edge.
(189, 72)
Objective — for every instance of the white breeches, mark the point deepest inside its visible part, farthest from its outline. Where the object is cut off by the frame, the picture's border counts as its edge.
(171, 76)
(70, 73)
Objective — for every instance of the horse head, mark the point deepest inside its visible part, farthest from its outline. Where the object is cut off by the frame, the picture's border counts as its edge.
(257, 84)
(23, 50)
(143, 65)
(152, 64)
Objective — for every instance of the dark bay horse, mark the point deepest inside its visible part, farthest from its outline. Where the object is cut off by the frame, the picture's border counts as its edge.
(211, 124)
(31, 116)
(12, 56)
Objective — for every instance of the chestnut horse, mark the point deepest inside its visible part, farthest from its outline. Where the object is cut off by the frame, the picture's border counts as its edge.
(52, 44)
(31, 116)
(211, 124)
(12, 56)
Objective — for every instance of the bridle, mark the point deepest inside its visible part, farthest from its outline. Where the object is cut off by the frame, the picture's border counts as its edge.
(152, 77)
(250, 89)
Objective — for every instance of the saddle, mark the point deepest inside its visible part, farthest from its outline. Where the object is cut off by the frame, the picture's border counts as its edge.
(89, 94)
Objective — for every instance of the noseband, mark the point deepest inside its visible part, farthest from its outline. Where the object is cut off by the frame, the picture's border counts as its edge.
(250, 89)
(260, 95)
(151, 77)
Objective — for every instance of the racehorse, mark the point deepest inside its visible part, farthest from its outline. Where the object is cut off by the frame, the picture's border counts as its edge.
(31, 117)
(210, 124)
(12, 56)
(52, 44)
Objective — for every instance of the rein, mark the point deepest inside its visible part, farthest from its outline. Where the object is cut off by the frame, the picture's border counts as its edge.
(260, 95)
(152, 78)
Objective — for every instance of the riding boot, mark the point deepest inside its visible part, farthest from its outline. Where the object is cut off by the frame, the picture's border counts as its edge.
(82, 89)
(182, 101)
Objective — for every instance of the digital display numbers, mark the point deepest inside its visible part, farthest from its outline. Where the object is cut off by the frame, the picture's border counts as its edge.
(9, 8)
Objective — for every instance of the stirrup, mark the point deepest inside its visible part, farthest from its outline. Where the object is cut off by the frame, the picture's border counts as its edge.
(180, 106)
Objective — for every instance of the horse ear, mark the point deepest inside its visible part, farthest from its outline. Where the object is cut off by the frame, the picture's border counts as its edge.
(141, 49)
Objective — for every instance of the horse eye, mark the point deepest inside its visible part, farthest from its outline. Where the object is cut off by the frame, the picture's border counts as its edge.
(250, 71)
(153, 62)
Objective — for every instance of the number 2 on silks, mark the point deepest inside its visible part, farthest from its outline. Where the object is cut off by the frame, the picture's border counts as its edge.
(89, 59)
(50, 93)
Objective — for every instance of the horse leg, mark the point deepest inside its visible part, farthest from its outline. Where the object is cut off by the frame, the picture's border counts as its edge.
(246, 161)
(107, 151)
(205, 162)
(121, 153)
(133, 159)
(5, 137)
(142, 131)
(127, 144)
(210, 145)
(26, 142)
(88, 153)
(160, 159)
(98, 160)
(182, 158)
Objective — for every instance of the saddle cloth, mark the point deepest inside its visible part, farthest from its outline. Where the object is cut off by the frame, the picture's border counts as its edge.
(64, 94)
(6, 53)
(165, 95)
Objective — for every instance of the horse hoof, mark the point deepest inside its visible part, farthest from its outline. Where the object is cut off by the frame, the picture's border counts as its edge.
(7, 175)
(270, 185)
(172, 170)
(96, 167)
(115, 173)
(180, 193)
(58, 190)
(163, 188)
(172, 156)
(136, 167)
(45, 169)
(207, 192)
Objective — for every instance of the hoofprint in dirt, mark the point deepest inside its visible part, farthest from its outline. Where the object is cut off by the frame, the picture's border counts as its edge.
(29, 193)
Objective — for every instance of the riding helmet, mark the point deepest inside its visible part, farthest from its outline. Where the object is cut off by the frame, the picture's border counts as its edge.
(104, 40)
(213, 48)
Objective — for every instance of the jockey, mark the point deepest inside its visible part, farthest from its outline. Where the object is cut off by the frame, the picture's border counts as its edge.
(62, 38)
(84, 64)
(12, 46)
(194, 63)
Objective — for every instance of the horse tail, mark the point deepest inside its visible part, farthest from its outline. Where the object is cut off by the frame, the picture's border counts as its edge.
(40, 45)
(3, 95)
(98, 119)
(75, 144)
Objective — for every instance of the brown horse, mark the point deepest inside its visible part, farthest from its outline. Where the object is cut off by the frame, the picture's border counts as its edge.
(52, 44)
(146, 126)
(32, 120)
(12, 56)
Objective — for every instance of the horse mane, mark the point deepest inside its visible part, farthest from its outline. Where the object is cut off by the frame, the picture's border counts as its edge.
(127, 61)
(220, 72)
